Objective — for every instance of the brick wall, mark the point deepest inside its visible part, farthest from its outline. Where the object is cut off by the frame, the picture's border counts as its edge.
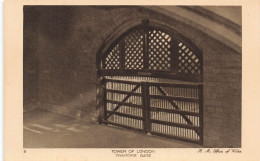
(222, 95)
(70, 40)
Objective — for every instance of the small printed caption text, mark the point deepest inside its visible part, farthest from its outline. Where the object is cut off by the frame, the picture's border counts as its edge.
(133, 153)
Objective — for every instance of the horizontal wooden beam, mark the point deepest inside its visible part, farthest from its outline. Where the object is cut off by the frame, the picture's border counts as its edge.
(124, 126)
(124, 104)
(174, 85)
(186, 126)
(175, 111)
(123, 92)
(154, 74)
(125, 115)
(123, 81)
(174, 98)
(176, 137)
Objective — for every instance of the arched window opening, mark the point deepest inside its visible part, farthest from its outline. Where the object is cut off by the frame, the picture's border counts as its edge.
(153, 52)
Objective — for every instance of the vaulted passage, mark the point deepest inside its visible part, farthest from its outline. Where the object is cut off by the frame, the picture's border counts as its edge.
(152, 83)
(174, 71)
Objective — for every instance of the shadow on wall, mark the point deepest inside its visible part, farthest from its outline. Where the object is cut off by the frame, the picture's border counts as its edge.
(81, 106)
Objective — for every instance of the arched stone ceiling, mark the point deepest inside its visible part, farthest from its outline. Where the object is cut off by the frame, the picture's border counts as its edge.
(221, 23)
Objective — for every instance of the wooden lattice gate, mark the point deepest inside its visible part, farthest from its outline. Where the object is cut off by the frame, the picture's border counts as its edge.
(152, 82)
(167, 109)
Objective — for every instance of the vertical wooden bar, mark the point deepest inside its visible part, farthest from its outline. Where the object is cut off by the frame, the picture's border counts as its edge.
(201, 112)
(146, 108)
(174, 55)
(104, 99)
(122, 54)
(184, 132)
(145, 43)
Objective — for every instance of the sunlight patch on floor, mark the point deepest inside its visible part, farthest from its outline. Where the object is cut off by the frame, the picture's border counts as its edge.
(41, 126)
(32, 130)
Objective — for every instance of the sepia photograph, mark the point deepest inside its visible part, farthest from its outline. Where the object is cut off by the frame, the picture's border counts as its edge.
(139, 76)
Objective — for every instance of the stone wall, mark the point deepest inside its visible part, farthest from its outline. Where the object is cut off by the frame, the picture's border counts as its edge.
(30, 55)
(222, 70)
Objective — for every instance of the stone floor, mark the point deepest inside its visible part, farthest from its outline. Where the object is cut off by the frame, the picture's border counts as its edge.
(43, 129)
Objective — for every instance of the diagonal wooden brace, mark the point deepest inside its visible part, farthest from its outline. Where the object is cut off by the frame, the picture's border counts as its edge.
(176, 107)
(125, 99)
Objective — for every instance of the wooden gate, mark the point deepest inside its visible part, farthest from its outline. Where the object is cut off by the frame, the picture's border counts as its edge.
(166, 109)
(152, 82)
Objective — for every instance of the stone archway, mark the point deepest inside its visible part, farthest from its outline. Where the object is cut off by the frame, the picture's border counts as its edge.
(149, 69)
